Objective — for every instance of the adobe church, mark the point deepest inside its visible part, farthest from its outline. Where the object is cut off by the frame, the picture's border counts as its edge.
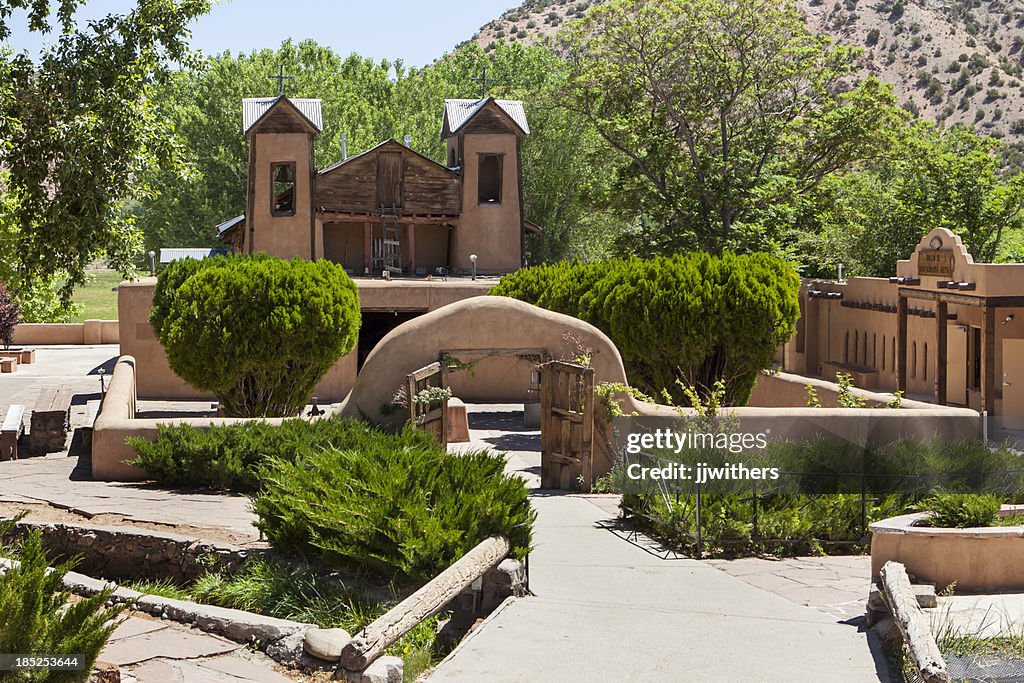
(390, 210)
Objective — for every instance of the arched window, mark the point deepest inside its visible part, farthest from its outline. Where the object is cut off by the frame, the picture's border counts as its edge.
(489, 179)
(913, 360)
(865, 352)
(883, 352)
(874, 350)
(924, 366)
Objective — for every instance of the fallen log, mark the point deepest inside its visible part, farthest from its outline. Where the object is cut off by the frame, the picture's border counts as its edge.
(372, 641)
(913, 624)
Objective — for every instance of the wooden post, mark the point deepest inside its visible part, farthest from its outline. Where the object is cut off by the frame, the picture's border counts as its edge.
(913, 623)
(370, 643)
(942, 326)
(367, 245)
(988, 359)
(410, 233)
(901, 344)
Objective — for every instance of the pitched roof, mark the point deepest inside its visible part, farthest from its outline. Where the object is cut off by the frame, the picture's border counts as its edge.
(386, 143)
(228, 224)
(458, 113)
(254, 108)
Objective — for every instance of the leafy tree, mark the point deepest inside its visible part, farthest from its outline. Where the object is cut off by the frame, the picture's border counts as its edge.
(695, 318)
(258, 332)
(720, 110)
(873, 217)
(564, 162)
(10, 316)
(79, 128)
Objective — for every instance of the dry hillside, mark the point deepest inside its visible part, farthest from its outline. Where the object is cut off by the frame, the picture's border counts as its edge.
(954, 61)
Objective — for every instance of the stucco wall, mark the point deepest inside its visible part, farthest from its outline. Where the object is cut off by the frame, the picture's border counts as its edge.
(155, 377)
(984, 559)
(116, 422)
(283, 236)
(157, 380)
(491, 231)
(91, 332)
(835, 330)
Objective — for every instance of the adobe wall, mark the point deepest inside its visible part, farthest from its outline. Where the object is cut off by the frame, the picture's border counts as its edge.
(116, 422)
(981, 559)
(91, 332)
(157, 380)
(857, 333)
(491, 231)
(283, 236)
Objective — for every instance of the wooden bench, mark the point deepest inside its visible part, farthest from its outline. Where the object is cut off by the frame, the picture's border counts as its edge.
(8, 364)
(51, 420)
(14, 425)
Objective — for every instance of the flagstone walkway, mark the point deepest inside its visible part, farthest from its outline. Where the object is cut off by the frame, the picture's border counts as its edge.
(148, 650)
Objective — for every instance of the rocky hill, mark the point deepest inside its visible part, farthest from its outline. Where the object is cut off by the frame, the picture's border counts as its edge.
(953, 61)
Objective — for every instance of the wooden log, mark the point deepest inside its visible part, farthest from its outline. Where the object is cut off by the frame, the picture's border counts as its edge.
(913, 623)
(370, 643)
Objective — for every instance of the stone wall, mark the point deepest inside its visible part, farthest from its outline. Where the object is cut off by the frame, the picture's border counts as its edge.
(118, 553)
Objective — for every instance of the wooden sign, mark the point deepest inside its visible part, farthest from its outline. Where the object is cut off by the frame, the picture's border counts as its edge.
(938, 263)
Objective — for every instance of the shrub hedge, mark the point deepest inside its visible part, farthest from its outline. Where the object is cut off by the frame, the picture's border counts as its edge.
(400, 513)
(229, 457)
(258, 332)
(398, 506)
(694, 317)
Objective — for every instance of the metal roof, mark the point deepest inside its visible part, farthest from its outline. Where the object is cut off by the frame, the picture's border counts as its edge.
(458, 112)
(255, 107)
(169, 255)
(228, 224)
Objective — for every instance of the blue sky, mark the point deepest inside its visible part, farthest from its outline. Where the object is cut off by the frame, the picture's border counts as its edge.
(413, 30)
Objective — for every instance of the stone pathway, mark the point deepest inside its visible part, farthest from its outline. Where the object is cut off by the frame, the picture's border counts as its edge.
(51, 490)
(837, 585)
(148, 650)
(606, 609)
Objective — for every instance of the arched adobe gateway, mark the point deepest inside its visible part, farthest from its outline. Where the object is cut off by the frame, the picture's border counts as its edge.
(483, 322)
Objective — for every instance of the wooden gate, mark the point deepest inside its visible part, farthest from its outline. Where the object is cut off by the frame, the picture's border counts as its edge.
(566, 426)
(424, 413)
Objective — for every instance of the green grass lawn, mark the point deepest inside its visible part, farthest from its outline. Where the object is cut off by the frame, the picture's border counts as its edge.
(97, 297)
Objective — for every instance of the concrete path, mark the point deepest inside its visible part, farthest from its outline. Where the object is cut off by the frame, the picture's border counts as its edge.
(606, 609)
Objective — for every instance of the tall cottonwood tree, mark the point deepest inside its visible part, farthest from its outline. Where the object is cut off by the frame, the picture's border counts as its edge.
(721, 109)
(79, 128)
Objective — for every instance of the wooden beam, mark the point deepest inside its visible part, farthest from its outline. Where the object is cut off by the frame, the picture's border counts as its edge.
(1003, 301)
(340, 217)
(913, 624)
(988, 359)
(941, 328)
(370, 643)
(901, 344)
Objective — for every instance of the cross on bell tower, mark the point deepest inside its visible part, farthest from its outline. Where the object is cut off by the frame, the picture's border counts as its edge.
(281, 78)
(483, 80)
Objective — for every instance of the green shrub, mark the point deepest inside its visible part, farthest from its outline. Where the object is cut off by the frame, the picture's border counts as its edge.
(402, 513)
(961, 510)
(258, 332)
(694, 317)
(229, 457)
(36, 617)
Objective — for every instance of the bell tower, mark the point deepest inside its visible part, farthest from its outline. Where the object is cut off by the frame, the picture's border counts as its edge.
(484, 138)
(280, 216)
